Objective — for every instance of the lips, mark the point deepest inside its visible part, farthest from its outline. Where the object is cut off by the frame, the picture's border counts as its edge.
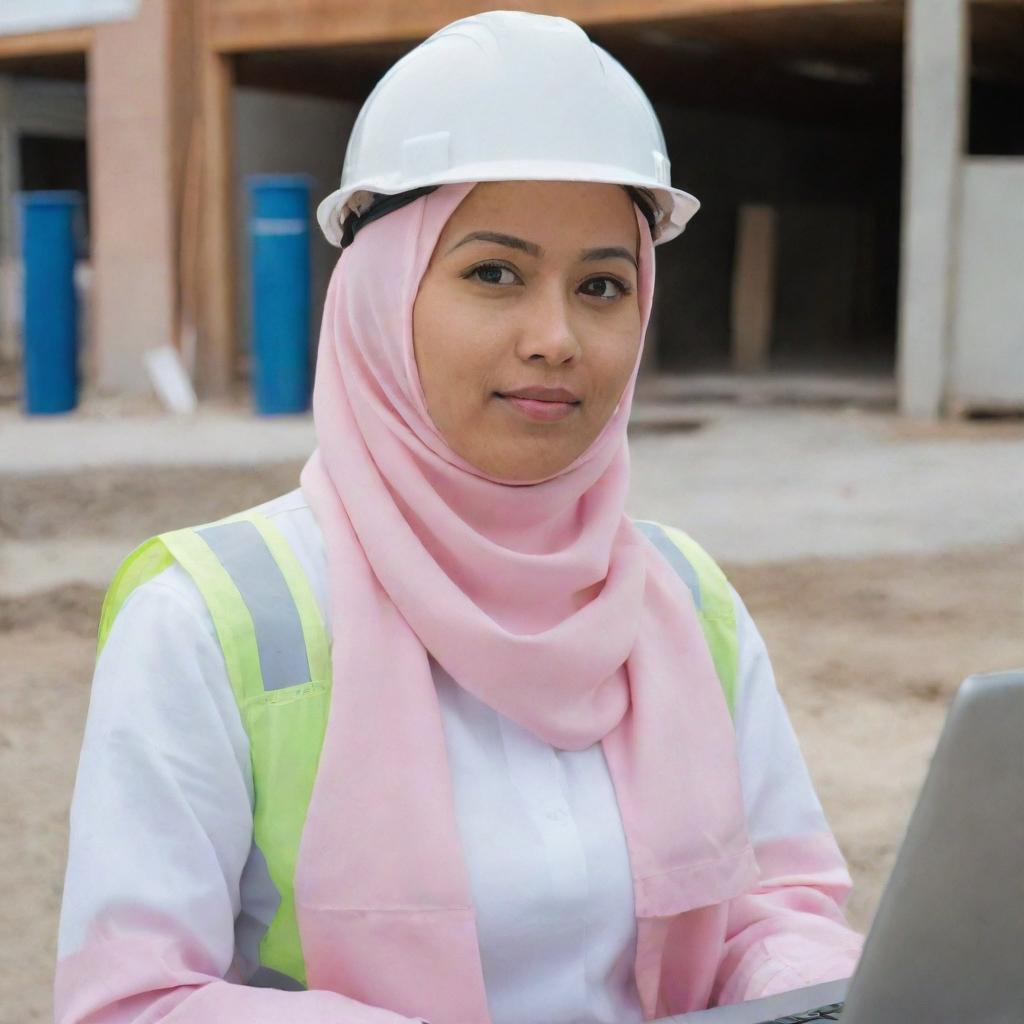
(543, 412)
(542, 395)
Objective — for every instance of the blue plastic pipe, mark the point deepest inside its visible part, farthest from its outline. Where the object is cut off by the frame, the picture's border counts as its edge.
(48, 248)
(279, 237)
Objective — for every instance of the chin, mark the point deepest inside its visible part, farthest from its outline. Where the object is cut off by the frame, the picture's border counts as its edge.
(525, 472)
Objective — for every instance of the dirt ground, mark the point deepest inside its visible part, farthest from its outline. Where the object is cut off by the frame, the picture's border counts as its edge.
(867, 653)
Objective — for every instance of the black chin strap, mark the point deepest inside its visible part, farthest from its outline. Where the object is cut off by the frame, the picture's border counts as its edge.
(645, 201)
(381, 204)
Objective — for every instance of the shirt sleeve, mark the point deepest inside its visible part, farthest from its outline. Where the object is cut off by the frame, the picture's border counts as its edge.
(161, 830)
(791, 931)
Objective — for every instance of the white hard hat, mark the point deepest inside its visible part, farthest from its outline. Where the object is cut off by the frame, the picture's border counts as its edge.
(505, 96)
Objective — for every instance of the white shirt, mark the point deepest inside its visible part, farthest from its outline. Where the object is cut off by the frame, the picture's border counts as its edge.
(162, 810)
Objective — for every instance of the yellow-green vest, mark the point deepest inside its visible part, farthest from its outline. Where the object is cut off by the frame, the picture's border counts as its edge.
(276, 650)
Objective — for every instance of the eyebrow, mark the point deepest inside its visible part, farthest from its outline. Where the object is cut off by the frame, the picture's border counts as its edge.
(604, 253)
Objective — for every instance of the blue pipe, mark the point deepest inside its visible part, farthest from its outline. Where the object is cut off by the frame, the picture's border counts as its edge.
(279, 226)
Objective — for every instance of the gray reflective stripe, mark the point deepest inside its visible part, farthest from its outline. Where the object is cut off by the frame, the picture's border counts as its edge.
(259, 901)
(266, 978)
(657, 536)
(248, 561)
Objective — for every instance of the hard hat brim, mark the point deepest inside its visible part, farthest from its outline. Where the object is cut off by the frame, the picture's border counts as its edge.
(675, 207)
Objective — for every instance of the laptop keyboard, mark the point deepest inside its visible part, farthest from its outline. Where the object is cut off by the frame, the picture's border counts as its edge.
(830, 1012)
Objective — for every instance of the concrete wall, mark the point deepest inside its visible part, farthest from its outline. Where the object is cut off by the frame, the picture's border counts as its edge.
(987, 365)
(29, 107)
(285, 134)
(836, 195)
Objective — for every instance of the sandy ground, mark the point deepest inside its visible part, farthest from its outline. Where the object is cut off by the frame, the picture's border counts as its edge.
(868, 646)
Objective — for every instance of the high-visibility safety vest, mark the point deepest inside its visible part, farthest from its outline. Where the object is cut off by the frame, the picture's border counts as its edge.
(276, 649)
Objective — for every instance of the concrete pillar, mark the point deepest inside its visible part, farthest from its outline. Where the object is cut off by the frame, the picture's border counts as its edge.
(131, 111)
(10, 176)
(753, 287)
(934, 115)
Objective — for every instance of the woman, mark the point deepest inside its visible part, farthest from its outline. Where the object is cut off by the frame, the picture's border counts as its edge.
(440, 735)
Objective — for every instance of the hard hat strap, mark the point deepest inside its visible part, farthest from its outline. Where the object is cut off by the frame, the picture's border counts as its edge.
(645, 202)
(382, 204)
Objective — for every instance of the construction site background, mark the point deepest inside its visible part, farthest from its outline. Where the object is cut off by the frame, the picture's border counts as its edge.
(831, 404)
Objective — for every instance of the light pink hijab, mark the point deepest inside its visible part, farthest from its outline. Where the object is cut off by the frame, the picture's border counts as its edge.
(428, 556)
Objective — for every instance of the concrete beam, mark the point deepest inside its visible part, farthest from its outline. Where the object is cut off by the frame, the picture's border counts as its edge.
(44, 44)
(935, 112)
(238, 25)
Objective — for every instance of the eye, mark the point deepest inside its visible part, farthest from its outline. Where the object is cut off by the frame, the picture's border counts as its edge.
(492, 269)
(623, 288)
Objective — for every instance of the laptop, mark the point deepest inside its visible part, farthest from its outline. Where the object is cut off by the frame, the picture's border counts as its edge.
(947, 942)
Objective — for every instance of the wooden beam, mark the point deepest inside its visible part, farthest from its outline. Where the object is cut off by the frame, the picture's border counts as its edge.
(239, 25)
(46, 44)
(215, 358)
(753, 288)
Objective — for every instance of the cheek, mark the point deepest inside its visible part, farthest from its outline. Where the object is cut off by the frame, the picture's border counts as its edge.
(617, 359)
(452, 358)
(432, 337)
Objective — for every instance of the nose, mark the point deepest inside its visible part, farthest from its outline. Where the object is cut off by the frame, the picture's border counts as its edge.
(548, 333)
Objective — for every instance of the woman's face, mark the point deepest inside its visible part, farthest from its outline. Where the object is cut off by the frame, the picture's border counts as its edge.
(551, 304)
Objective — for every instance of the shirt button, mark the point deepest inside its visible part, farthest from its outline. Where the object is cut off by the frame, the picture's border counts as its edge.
(556, 815)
